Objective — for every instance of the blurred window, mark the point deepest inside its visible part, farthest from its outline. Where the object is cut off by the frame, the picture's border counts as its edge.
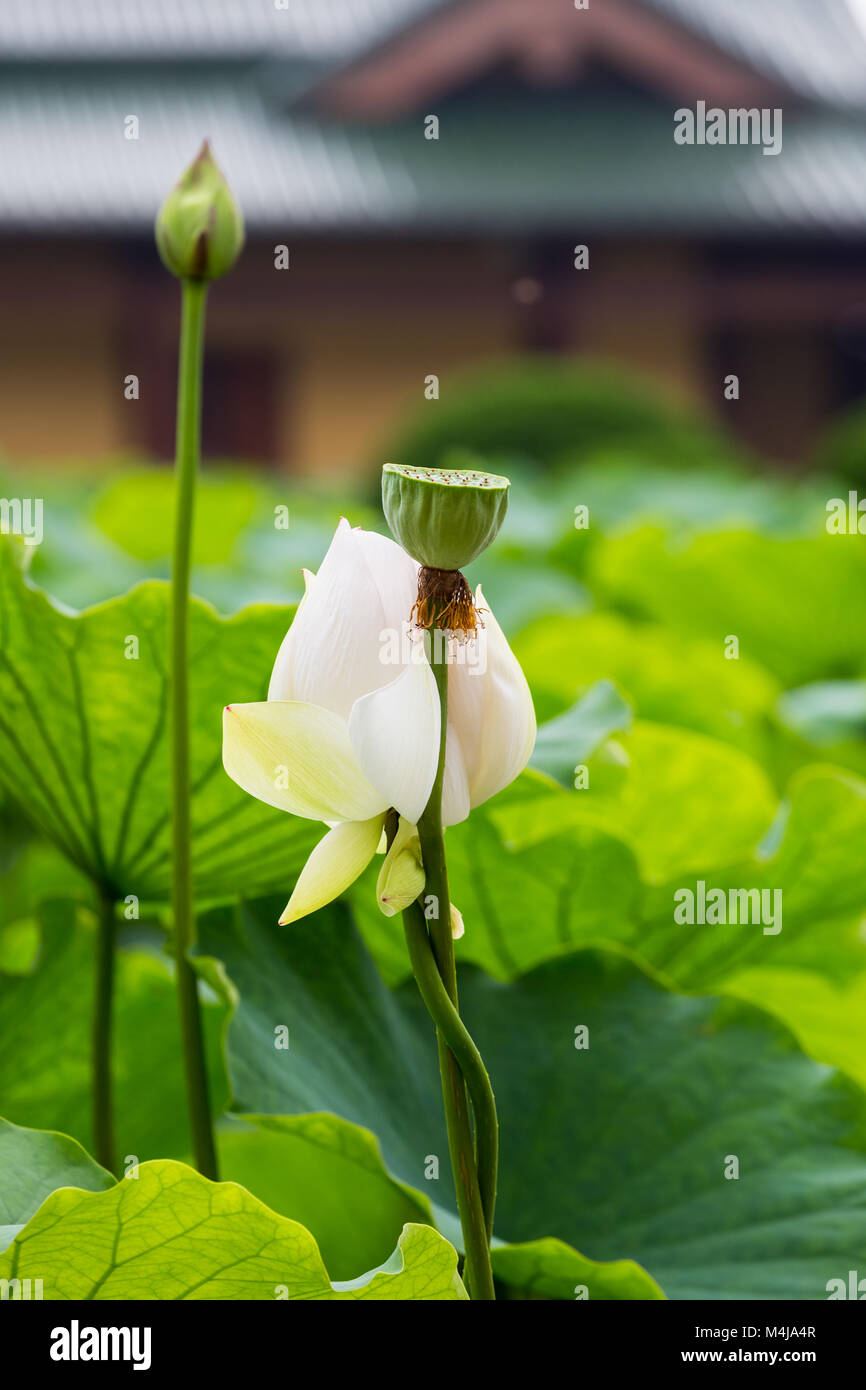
(239, 420)
(239, 417)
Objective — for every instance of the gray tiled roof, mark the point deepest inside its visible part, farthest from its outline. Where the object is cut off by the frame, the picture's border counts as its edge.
(529, 162)
(326, 29)
(73, 163)
(815, 47)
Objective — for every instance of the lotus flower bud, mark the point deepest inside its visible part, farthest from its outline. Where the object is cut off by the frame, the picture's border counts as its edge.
(401, 877)
(199, 229)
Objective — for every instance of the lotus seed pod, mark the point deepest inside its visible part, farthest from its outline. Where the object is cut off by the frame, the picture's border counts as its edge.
(443, 517)
(199, 228)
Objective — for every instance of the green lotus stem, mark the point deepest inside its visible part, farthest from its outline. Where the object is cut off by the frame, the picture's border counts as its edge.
(194, 294)
(473, 1162)
(103, 1113)
(457, 1036)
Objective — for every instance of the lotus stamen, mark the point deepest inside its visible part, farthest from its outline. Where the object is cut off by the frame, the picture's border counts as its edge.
(446, 601)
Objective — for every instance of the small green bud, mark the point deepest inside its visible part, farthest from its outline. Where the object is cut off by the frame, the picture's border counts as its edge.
(199, 228)
(443, 517)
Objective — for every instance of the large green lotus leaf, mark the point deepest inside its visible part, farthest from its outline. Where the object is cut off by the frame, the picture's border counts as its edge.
(32, 870)
(318, 974)
(75, 560)
(519, 586)
(686, 802)
(19, 946)
(550, 1269)
(386, 1071)
(136, 512)
(84, 747)
(826, 720)
(540, 869)
(168, 1233)
(624, 487)
(102, 537)
(811, 973)
(252, 538)
(330, 1175)
(814, 859)
(634, 1133)
(327, 1174)
(669, 678)
(318, 1171)
(829, 1019)
(810, 853)
(787, 600)
(45, 1070)
(572, 737)
(520, 904)
(525, 905)
(827, 713)
(34, 1163)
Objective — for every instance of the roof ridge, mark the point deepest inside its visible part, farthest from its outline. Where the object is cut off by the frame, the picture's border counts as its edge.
(54, 31)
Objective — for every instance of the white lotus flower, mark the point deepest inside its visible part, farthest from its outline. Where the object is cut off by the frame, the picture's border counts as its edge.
(351, 725)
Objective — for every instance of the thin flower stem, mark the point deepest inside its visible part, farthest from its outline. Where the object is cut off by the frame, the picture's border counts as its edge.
(478, 1272)
(103, 1114)
(459, 1040)
(194, 293)
(476, 1222)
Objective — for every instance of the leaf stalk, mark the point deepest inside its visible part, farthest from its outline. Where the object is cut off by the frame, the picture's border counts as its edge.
(188, 449)
(104, 1145)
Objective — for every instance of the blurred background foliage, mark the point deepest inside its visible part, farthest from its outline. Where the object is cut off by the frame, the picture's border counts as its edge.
(686, 545)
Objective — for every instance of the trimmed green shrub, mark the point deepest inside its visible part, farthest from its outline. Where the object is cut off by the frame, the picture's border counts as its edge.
(543, 409)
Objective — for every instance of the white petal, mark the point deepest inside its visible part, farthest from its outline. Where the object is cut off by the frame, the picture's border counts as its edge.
(280, 687)
(455, 788)
(333, 866)
(337, 648)
(394, 572)
(298, 758)
(395, 735)
(491, 708)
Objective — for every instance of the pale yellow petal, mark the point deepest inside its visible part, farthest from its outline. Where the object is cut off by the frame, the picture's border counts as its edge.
(333, 866)
(297, 757)
(401, 877)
